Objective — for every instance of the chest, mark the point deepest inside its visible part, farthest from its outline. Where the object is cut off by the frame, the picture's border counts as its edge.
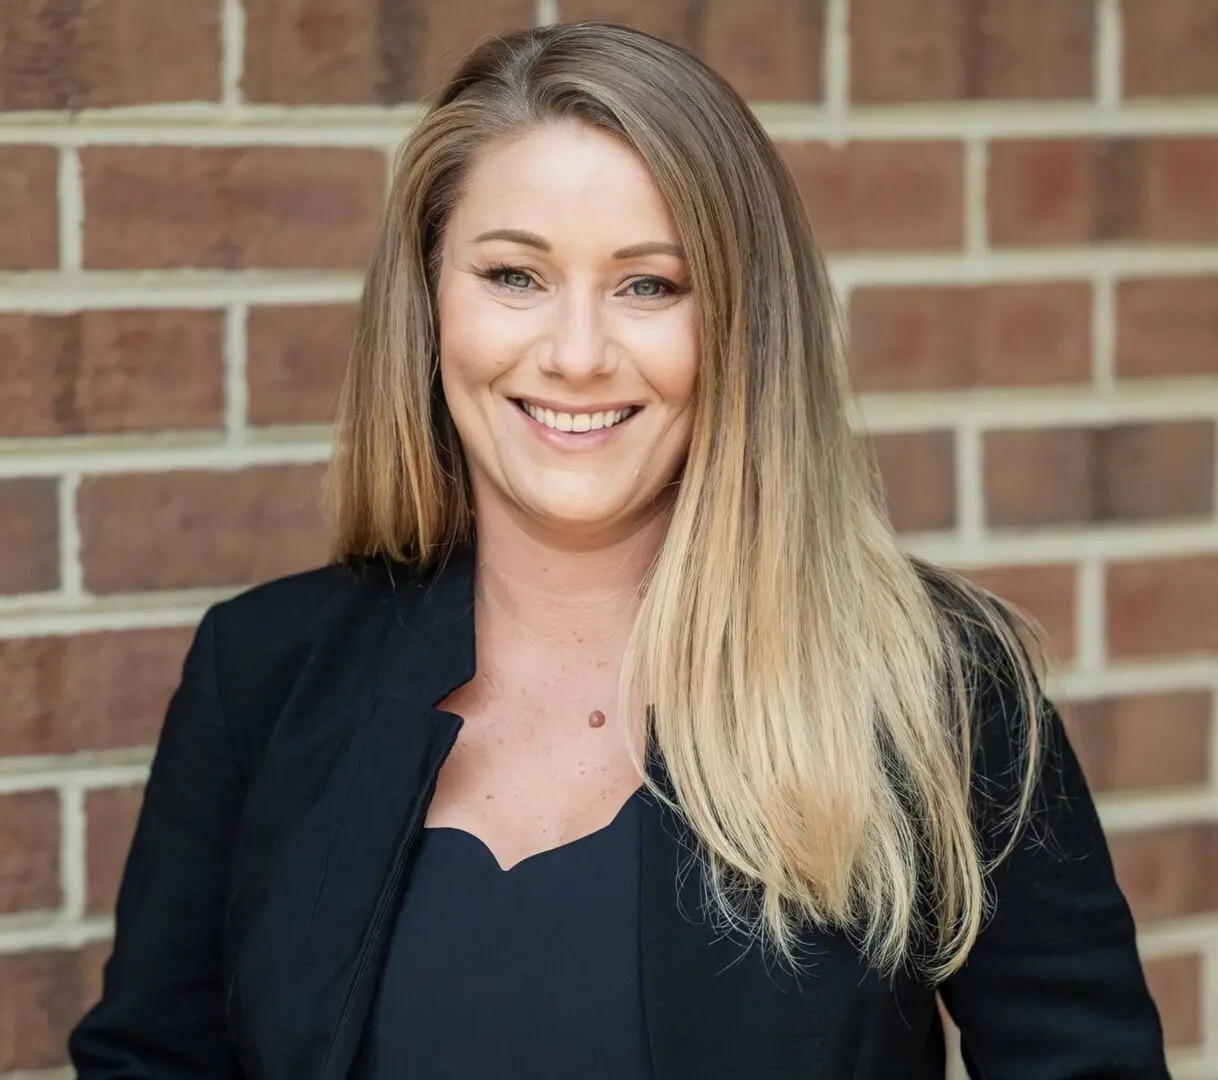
(321, 871)
(531, 772)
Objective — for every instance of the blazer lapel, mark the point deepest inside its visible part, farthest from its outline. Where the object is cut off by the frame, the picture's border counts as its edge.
(311, 949)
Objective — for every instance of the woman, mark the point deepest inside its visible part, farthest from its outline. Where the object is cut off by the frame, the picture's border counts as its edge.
(621, 741)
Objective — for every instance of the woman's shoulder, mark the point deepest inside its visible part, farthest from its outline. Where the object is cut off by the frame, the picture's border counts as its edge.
(277, 612)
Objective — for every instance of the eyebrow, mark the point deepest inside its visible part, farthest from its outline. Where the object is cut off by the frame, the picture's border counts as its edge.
(530, 239)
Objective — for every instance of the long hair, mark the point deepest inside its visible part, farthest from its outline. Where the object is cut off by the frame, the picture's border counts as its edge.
(811, 689)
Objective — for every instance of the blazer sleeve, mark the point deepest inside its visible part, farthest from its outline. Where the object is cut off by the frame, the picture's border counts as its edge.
(162, 1014)
(1053, 988)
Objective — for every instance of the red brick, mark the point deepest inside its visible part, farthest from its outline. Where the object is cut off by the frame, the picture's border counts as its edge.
(1131, 472)
(1161, 607)
(301, 52)
(954, 337)
(230, 208)
(29, 852)
(99, 372)
(770, 50)
(1175, 984)
(1167, 326)
(121, 52)
(99, 691)
(1048, 593)
(193, 529)
(29, 193)
(29, 535)
(949, 50)
(1168, 873)
(110, 816)
(895, 196)
(1144, 741)
(1071, 191)
(296, 360)
(919, 474)
(1170, 47)
(42, 996)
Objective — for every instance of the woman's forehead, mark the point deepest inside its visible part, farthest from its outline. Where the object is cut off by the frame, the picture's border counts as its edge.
(559, 170)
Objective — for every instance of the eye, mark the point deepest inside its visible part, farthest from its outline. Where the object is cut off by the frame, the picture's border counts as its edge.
(651, 288)
(511, 278)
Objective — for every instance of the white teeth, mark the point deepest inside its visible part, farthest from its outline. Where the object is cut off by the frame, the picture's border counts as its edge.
(576, 421)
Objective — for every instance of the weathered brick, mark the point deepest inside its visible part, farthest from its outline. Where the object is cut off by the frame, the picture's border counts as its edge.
(1175, 984)
(894, 196)
(1074, 191)
(948, 50)
(953, 337)
(1169, 872)
(29, 535)
(29, 194)
(301, 52)
(29, 852)
(98, 372)
(1167, 326)
(1048, 593)
(122, 52)
(100, 691)
(110, 816)
(159, 207)
(185, 529)
(296, 360)
(919, 473)
(770, 50)
(1144, 741)
(1158, 607)
(1130, 472)
(1170, 47)
(42, 995)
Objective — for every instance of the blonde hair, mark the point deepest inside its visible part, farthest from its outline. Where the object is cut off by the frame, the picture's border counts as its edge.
(812, 690)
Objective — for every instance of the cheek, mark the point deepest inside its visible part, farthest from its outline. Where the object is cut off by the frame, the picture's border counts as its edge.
(476, 335)
(671, 355)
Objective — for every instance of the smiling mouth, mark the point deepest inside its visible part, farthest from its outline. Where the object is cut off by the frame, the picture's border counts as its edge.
(576, 422)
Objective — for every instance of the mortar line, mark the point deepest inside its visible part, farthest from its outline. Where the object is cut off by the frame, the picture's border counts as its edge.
(71, 572)
(970, 483)
(222, 124)
(71, 211)
(1109, 55)
(72, 850)
(232, 55)
(976, 223)
(836, 71)
(236, 383)
(1091, 616)
(1103, 332)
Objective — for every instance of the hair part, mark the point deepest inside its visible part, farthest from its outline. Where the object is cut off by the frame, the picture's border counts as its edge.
(811, 689)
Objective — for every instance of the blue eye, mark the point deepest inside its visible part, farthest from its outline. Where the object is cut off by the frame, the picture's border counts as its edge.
(510, 277)
(655, 288)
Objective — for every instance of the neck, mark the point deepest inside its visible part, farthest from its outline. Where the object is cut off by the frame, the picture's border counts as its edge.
(538, 589)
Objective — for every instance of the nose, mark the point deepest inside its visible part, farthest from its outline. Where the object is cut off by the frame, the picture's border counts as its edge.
(579, 345)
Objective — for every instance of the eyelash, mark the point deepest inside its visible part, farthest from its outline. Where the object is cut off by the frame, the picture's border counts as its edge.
(494, 274)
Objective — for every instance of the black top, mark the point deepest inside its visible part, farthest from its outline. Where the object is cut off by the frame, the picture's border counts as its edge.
(515, 974)
(285, 800)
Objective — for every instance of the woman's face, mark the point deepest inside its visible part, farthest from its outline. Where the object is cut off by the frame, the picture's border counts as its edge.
(568, 332)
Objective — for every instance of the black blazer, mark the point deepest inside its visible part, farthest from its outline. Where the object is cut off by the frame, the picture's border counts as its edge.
(293, 774)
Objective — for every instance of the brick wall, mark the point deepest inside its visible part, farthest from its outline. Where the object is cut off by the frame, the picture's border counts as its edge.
(1021, 204)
